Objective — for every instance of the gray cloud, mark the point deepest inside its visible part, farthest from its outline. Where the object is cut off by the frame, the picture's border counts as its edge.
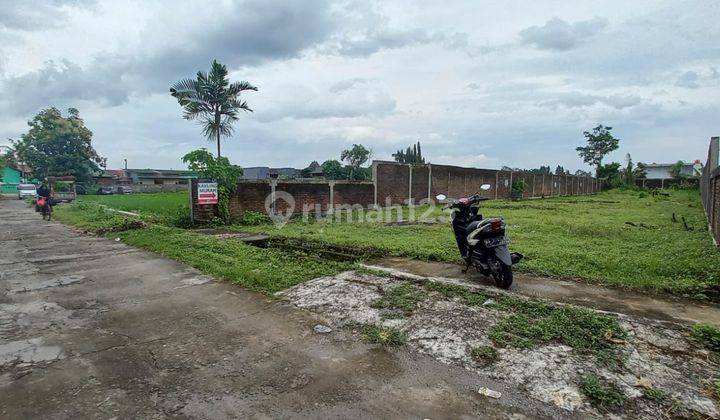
(350, 98)
(374, 41)
(689, 79)
(558, 35)
(60, 84)
(33, 15)
(251, 33)
(579, 100)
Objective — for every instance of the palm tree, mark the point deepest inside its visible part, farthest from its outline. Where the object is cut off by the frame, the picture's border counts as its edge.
(213, 100)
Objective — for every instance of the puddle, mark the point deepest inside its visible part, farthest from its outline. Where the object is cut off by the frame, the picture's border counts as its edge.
(28, 351)
(596, 297)
(43, 282)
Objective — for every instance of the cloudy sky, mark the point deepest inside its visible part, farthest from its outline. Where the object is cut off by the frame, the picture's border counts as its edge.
(478, 83)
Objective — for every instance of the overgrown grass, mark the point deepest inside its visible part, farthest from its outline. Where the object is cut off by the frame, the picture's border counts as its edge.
(405, 297)
(484, 355)
(708, 335)
(265, 270)
(171, 208)
(523, 323)
(584, 237)
(600, 392)
(385, 336)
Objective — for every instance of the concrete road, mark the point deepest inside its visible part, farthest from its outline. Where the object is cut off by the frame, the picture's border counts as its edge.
(92, 328)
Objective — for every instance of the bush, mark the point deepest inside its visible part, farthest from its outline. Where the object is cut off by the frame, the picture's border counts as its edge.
(600, 392)
(708, 335)
(252, 218)
(384, 335)
(517, 189)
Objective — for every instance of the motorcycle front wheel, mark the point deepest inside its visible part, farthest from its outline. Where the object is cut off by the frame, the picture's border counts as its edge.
(504, 276)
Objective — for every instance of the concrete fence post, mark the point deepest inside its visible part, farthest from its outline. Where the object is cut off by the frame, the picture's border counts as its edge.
(533, 188)
(542, 188)
(410, 195)
(331, 208)
(273, 185)
(497, 187)
(430, 197)
(510, 186)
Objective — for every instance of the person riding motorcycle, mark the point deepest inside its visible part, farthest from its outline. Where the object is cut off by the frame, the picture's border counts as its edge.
(44, 192)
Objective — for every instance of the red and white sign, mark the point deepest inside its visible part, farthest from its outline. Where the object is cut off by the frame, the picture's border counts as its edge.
(207, 193)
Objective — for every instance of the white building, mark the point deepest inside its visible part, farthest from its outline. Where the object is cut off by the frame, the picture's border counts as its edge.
(663, 170)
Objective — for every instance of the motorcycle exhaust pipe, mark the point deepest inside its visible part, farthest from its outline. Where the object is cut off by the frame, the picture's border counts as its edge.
(515, 257)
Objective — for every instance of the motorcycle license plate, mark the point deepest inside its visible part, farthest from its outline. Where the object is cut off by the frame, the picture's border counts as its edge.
(495, 242)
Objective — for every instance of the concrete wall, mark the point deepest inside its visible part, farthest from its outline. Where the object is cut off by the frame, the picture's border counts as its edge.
(401, 183)
(394, 184)
(710, 189)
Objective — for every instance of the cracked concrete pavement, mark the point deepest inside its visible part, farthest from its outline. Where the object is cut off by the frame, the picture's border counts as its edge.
(90, 327)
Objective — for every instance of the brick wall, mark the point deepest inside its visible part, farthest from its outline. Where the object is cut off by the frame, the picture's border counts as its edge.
(710, 188)
(395, 186)
(204, 213)
(353, 193)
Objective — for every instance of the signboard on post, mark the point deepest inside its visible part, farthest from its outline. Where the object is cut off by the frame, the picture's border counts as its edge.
(207, 193)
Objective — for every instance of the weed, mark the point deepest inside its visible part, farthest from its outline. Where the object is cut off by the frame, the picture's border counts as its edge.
(252, 218)
(600, 392)
(386, 336)
(586, 331)
(452, 291)
(708, 335)
(484, 355)
(714, 389)
(405, 297)
(577, 237)
(654, 394)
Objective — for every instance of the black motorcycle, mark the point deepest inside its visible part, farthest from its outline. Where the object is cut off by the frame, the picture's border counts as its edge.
(482, 242)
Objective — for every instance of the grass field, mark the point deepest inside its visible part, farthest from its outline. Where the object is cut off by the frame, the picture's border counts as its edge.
(584, 237)
(259, 269)
(159, 204)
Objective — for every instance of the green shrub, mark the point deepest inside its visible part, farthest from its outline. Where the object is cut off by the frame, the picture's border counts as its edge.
(404, 297)
(708, 335)
(518, 188)
(600, 392)
(484, 355)
(386, 336)
(252, 218)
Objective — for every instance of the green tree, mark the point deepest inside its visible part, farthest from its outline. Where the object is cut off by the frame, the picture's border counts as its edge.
(355, 157)
(411, 155)
(600, 142)
(559, 170)
(334, 170)
(676, 171)
(211, 99)
(221, 170)
(611, 172)
(640, 171)
(58, 146)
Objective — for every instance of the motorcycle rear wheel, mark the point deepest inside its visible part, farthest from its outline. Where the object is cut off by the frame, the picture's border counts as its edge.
(504, 277)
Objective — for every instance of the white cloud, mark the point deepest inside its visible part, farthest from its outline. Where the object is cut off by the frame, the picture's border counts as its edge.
(478, 84)
(556, 34)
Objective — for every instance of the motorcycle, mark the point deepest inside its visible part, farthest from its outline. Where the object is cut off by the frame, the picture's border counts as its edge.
(44, 205)
(482, 242)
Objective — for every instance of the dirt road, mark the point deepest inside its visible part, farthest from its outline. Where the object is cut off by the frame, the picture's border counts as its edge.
(90, 327)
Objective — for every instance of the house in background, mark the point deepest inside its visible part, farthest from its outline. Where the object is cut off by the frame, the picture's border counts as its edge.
(664, 170)
(159, 176)
(265, 172)
(11, 176)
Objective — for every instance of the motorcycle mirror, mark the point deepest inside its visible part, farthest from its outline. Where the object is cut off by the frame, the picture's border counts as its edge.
(485, 187)
(440, 197)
